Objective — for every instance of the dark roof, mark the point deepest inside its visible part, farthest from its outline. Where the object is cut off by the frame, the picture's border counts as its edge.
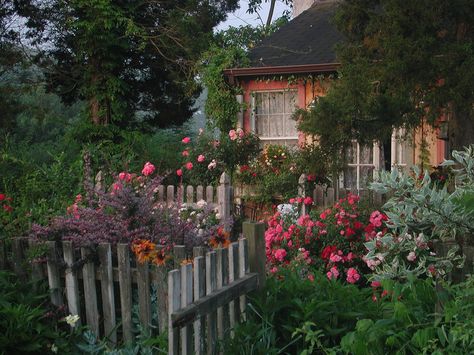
(306, 40)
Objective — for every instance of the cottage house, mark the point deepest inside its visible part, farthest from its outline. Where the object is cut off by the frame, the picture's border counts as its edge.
(296, 65)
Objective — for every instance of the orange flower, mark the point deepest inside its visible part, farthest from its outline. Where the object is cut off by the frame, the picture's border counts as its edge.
(222, 239)
(160, 258)
(144, 250)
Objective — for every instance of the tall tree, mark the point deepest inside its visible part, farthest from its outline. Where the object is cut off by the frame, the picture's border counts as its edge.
(403, 62)
(130, 60)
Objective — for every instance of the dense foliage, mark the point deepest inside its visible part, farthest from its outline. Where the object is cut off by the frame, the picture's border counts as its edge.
(422, 213)
(295, 316)
(132, 62)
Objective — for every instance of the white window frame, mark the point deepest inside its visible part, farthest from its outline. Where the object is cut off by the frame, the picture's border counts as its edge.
(398, 147)
(253, 118)
(358, 165)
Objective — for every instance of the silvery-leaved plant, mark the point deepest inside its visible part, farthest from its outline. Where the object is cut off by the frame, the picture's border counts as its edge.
(420, 215)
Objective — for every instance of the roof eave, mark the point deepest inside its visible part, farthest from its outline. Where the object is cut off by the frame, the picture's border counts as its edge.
(233, 73)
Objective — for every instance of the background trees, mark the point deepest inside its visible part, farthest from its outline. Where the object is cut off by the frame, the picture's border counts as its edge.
(131, 61)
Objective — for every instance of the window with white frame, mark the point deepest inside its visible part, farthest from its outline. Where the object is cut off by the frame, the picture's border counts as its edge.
(362, 163)
(271, 116)
(399, 147)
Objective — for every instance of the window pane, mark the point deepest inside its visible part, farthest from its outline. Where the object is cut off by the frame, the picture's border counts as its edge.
(366, 154)
(290, 101)
(366, 176)
(262, 125)
(290, 126)
(351, 153)
(350, 177)
(276, 102)
(276, 126)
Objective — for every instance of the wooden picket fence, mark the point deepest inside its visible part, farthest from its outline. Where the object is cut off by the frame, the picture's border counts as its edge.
(206, 298)
(220, 196)
(104, 286)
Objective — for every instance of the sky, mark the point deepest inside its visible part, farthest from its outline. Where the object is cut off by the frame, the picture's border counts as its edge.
(240, 17)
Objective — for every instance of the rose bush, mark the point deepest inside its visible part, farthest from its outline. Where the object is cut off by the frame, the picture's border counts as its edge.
(205, 158)
(331, 240)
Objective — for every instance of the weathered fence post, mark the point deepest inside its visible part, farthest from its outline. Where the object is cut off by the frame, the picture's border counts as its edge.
(54, 278)
(199, 291)
(224, 200)
(174, 303)
(211, 285)
(302, 193)
(186, 299)
(255, 234)
(72, 285)
(90, 292)
(125, 282)
(107, 290)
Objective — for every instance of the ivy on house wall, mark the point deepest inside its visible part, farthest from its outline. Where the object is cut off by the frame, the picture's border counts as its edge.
(221, 104)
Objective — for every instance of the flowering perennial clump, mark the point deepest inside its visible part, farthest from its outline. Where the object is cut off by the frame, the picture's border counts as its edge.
(129, 212)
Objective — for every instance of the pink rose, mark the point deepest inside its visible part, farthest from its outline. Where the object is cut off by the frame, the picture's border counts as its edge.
(280, 254)
(179, 172)
(185, 153)
(375, 284)
(311, 277)
(232, 135)
(148, 169)
(189, 165)
(352, 276)
(122, 175)
(240, 132)
(333, 273)
(186, 140)
(2, 197)
(308, 200)
(117, 186)
(201, 158)
(335, 258)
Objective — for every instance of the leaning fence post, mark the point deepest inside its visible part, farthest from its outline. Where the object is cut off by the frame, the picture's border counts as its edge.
(224, 197)
(302, 193)
(255, 234)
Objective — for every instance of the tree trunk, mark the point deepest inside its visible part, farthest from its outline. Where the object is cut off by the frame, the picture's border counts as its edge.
(94, 110)
(270, 14)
